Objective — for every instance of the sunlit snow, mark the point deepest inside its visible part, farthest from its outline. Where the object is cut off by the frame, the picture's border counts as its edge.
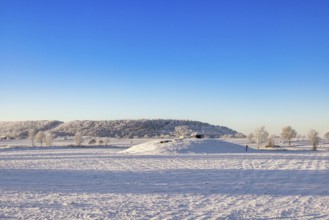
(180, 183)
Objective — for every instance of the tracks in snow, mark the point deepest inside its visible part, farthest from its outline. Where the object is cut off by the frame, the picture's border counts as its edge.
(99, 183)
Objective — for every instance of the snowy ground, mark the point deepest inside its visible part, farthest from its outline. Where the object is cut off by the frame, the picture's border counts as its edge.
(115, 142)
(102, 183)
(187, 146)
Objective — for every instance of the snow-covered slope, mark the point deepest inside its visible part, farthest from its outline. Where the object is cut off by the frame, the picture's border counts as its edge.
(198, 146)
(20, 129)
(115, 129)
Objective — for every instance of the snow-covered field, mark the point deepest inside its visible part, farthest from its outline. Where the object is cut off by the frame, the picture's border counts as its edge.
(115, 142)
(106, 183)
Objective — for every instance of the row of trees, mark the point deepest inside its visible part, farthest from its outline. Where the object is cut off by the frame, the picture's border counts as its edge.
(261, 136)
(41, 137)
(47, 138)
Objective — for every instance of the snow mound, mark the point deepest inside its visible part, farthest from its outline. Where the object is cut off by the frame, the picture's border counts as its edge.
(186, 146)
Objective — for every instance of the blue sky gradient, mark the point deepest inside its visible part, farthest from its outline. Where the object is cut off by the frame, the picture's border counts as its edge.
(240, 64)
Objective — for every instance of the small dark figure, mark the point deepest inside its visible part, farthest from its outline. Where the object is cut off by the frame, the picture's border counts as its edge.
(246, 148)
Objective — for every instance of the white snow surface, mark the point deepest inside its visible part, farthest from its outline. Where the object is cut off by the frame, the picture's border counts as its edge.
(183, 146)
(101, 183)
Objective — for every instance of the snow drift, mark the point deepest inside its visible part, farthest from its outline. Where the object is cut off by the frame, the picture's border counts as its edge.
(188, 146)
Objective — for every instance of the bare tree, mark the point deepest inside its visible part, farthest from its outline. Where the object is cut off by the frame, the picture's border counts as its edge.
(40, 137)
(32, 133)
(78, 138)
(326, 136)
(313, 136)
(261, 136)
(49, 138)
(288, 133)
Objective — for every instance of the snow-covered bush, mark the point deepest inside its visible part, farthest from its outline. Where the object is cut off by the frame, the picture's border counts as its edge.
(182, 131)
(92, 141)
(228, 136)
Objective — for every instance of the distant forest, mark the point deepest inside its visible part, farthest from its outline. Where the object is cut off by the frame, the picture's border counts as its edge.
(115, 128)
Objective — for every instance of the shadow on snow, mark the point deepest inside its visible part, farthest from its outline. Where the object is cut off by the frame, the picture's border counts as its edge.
(200, 181)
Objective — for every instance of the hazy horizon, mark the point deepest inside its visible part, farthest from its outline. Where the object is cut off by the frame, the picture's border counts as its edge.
(239, 64)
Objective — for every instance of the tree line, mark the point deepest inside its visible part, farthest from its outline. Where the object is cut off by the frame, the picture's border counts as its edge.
(261, 136)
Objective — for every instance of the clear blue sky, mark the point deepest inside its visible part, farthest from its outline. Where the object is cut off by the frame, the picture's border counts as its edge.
(240, 64)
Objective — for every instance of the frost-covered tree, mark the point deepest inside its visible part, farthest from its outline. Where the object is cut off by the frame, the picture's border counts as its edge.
(313, 136)
(182, 131)
(261, 136)
(40, 137)
(117, 128)
(49, 138)
(32, 133)
(20, 129)
(288, 133)
(326, 136)
(78, 138)
(251, 138)
(270, 141)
